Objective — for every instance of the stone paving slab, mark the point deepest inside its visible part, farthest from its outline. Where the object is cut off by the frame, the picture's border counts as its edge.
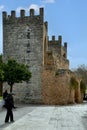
(1, 103)
(51, 118)
(19, 112)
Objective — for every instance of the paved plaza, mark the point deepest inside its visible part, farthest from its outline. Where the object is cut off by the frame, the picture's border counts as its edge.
(72, 117)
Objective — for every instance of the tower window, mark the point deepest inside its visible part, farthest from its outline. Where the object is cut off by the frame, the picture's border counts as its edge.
(28, 47)
(28, 35)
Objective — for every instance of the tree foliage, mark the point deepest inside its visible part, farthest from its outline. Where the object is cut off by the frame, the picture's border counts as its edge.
(15, 73)
(82, 86)
(82, 72)
(73, 82)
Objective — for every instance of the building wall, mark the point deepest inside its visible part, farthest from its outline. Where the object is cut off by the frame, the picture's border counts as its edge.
(23, 41)
(55, 88)
(59, 52)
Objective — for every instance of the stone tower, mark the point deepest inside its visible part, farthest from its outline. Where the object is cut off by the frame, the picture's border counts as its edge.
(25, 39)
(59, 52)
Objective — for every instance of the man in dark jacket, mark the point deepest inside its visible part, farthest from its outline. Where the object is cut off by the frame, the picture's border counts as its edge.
(5, 93)
(9, 104)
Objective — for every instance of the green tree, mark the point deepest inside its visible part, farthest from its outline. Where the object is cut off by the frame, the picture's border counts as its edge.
(82, 86)
(73, 83)
(82, 72)
(15, 73)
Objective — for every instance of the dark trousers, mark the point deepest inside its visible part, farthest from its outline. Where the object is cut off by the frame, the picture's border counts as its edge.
(9, 114)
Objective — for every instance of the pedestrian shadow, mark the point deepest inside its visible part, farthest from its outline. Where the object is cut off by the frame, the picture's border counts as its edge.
(84, 116)
(4, 125)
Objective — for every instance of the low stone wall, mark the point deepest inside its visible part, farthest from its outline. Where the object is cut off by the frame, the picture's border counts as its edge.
(55, 88)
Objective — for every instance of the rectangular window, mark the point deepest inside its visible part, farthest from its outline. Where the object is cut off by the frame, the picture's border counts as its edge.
(28, 35)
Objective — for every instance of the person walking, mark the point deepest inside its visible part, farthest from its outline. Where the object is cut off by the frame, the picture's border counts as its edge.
(9, 105)
(5, 93)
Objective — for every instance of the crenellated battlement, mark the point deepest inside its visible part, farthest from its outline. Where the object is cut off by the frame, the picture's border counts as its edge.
(65, 44)
(56, 46)
(60, 39)
(53, 39)
(22, 14)
(57, 41)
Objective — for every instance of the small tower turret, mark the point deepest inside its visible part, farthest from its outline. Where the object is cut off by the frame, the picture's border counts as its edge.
(60, 39)
(53, 38)
(31, 12)
(13, 14)
(4, 15)
(41, 10)
(22, 13)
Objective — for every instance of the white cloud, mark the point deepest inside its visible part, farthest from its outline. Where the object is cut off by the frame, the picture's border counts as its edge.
(35, 7)
(1, 7)
(48, 1)
(32, 6)
(20, 8)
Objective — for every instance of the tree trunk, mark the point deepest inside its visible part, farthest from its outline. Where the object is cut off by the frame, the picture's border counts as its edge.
(11, 86)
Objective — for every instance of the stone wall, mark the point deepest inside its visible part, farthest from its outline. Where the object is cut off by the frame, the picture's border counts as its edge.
(59, 52)
(55, 88)
(23, 41)
(61, 62)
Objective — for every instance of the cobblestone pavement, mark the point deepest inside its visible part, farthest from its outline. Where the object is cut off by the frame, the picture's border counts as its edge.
(18, 113)
(51, 118)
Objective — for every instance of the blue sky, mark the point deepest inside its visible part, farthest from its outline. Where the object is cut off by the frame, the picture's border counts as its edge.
(65, 17)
